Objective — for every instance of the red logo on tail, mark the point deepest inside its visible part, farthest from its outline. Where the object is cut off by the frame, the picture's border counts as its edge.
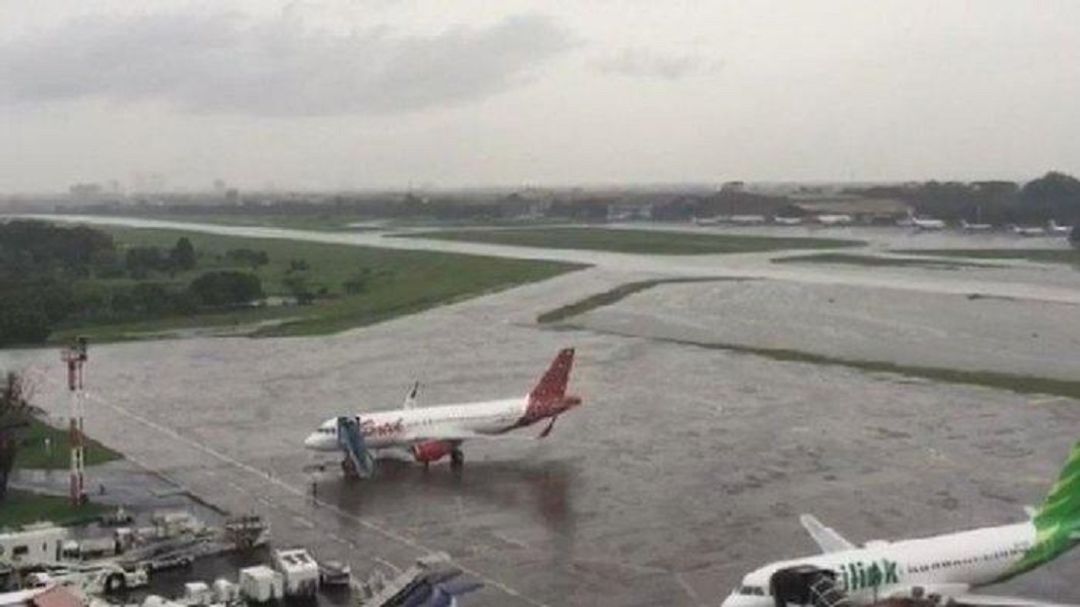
(548, 398)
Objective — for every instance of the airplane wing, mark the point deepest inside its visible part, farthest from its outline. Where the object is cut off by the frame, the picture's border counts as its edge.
(459, 434)
(410, 398)
(826, 537)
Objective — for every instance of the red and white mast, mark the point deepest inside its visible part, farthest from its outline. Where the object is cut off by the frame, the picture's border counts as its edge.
(76, 358)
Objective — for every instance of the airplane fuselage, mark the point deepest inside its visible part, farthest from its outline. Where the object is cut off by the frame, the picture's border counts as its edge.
(406, 427)
(956, 561)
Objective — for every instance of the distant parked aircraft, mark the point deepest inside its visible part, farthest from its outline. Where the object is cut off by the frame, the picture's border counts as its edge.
(975, 227)
(927, 225)
(834, 220)
(747, 220)
(1054, 229)
(1029, 230)
(945, 566)
(432, 433)
(787, 221)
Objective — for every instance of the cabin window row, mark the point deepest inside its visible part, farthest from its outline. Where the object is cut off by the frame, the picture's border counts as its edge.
(970, 561)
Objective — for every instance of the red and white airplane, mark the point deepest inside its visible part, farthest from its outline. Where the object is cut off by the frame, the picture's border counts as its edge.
(432, 433)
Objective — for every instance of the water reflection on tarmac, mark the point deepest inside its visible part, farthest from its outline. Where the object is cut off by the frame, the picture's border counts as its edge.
(685, 468)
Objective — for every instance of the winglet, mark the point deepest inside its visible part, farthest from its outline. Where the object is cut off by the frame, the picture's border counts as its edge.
(826, 537)
(552, 385)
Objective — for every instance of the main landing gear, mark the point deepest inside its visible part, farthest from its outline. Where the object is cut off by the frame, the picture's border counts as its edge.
(457, 459)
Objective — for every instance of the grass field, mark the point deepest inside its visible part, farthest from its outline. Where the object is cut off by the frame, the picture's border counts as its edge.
(318, 221)
(611, 296)
(633, 241)
(36, 453)
(22, 507)
(874, 261)
(1024, 384)
(1070, 256)
(396, 283)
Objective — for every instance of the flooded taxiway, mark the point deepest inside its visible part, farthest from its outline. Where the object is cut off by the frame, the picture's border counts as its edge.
(685, 468)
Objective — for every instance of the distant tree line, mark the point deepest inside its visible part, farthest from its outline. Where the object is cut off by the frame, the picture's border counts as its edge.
(51, 276)
(1053, 196)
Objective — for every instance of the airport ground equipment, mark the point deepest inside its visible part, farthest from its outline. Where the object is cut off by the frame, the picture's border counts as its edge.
(432, 581)
(260, 584)
(299, 571)
(358, 461)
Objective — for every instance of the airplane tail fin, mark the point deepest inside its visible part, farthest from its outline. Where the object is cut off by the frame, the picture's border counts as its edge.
(552, 385)
(1061, 508)
(1057, 521)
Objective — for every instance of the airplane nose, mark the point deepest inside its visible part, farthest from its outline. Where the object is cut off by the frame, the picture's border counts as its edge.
(313, 441)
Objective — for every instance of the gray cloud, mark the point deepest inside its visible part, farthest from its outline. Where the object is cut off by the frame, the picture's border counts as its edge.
(231, 63)
(643, 63)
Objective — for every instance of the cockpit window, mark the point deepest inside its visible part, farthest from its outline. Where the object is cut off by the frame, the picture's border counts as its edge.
(752, 590)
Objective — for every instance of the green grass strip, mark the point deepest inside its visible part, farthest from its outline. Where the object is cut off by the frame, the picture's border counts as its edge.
(44, 447)
(875, 261)
(1023, 384)
(612, 296)
(1069, 256)
(23, 507)
(655, 242)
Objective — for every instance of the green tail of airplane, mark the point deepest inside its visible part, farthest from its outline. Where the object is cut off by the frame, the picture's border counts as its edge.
(1057, 521)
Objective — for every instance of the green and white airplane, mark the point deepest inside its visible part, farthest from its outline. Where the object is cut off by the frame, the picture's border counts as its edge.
(946, 567)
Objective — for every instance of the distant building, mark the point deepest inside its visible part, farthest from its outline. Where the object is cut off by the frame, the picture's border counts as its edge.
(86, 191)
(626, 211)
(861, 210)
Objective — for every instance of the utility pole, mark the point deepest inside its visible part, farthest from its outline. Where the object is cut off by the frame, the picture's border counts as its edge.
(75, 357)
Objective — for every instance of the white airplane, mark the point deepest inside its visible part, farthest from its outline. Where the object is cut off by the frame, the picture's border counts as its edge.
(747, 220)
(834, 219)
(975, 227)
(432, 433)
(1053, 228)
(788, 221)
(1029, 230)
(927, 225)
(947, 567)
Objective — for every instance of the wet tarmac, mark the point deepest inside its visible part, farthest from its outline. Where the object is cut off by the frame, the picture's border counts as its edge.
(686, 468)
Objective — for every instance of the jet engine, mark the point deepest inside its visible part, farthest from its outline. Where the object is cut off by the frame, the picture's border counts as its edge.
(432, 451)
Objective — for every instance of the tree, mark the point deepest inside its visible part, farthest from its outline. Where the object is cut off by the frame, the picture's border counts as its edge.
(217, 289)
(22, 319)
(140, 260)
(14, 413)
(297, 285)
(1053, 196)
(182, 254)
(248, 256)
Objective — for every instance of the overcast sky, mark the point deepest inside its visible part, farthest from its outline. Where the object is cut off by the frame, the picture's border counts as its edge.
(387, 93)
